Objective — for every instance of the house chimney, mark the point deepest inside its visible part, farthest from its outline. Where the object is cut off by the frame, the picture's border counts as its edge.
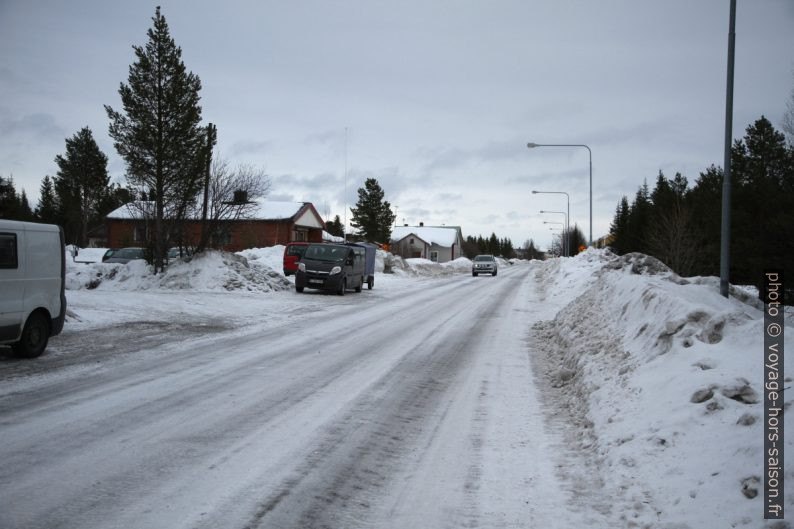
(421, 224)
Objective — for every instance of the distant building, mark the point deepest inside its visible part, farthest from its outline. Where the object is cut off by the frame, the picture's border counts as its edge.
(270, 223)
(437, 243)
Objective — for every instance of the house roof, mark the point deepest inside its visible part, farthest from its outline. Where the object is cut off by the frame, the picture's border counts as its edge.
(264, 210)
(442, 236)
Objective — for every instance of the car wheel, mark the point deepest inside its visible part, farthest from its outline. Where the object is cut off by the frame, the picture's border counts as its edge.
(474, 274)
(342, 287)
(298, 289)
(34, 338)
(494, 273)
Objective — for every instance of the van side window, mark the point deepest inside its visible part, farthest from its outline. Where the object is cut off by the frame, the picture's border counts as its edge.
(8, 250)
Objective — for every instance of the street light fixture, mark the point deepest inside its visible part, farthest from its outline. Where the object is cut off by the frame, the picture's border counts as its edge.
(567, 198)
(535, 145)
(567, 231)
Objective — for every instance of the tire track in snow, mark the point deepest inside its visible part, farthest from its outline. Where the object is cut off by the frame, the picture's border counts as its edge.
(342, 482)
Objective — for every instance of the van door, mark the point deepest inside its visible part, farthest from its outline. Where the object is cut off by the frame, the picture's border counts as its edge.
(12, 285)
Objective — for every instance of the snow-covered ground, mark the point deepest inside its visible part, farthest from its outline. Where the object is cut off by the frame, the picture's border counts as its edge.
(659, 380)
(593, 391)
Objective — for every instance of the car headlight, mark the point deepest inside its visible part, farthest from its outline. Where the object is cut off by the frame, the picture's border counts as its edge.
(301, 267)
(336, 270)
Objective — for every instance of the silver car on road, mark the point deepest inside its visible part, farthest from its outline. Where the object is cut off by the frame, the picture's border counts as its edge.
(484, 264)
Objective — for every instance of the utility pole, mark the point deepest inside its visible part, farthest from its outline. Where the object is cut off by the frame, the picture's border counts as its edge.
(344, 233)
(725, 236)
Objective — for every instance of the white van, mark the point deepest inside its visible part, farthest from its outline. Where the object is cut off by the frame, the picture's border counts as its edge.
(32, 298)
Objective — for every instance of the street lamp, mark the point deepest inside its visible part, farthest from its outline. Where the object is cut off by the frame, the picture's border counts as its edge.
(567, 231)
(534, 145)
(567, 197)
(561, 230)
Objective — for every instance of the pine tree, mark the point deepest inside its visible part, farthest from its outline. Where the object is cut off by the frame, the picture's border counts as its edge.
(25, 211)
(9, 201)
(158, 135)
(493, 244)
(81, 181)
(639, 221)
(372, 215)
(334, 227)
(619, 227)
(47, 208)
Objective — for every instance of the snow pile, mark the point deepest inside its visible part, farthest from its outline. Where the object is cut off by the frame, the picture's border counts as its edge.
(88, 255)
(660, 378)
(418, 267)
(271, 256)
(207, 272)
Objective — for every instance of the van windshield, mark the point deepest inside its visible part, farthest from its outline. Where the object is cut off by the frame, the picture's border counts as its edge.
(323, 252)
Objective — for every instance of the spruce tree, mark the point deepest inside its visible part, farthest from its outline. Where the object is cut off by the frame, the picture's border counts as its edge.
(372, 215)
(9, 202)
(25, 211)
(47, 208)
(619, 227)
(158, 133)
(81, 181)
(334, 227)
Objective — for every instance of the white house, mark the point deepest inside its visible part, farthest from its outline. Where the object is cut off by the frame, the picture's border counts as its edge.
(437, 243)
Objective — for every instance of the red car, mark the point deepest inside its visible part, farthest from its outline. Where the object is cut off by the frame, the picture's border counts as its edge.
(293, 253)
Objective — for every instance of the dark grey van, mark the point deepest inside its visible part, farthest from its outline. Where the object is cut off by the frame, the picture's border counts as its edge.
(331, 267)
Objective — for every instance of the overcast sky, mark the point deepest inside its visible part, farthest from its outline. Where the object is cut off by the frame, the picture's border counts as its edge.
(439, 98)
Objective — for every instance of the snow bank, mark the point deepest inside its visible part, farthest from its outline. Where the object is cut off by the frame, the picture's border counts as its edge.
(88, 255)
(271, 256)
(207, 272)
(418, 267)
(661, 378)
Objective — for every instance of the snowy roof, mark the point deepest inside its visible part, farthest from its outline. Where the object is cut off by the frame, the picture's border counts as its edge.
(332, 238)
(442, 236)
(265, 210)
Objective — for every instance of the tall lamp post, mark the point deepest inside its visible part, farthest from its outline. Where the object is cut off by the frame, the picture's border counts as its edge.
(562, 235)
(534, 145)
(566, 244)
(725, 231)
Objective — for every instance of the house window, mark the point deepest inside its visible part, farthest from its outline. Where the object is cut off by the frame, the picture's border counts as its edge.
(141, 233)
(8, 250)
(221, 237)
(300, 235)
(411, 242)
(434, 256)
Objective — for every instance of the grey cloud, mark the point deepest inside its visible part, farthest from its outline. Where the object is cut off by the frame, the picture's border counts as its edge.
(285, 197)
(449, 197)
(242, 148)
(38, 125)
(452, 158)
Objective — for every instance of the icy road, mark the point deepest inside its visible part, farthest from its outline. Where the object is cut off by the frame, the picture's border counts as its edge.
(410, 410)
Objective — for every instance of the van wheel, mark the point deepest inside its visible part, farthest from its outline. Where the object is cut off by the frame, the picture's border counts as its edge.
(370, 283)
(360, 284)
(298, 289)
(342, 287)
(35, 336)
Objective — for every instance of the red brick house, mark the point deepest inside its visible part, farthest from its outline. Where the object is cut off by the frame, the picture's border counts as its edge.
(268, 224)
